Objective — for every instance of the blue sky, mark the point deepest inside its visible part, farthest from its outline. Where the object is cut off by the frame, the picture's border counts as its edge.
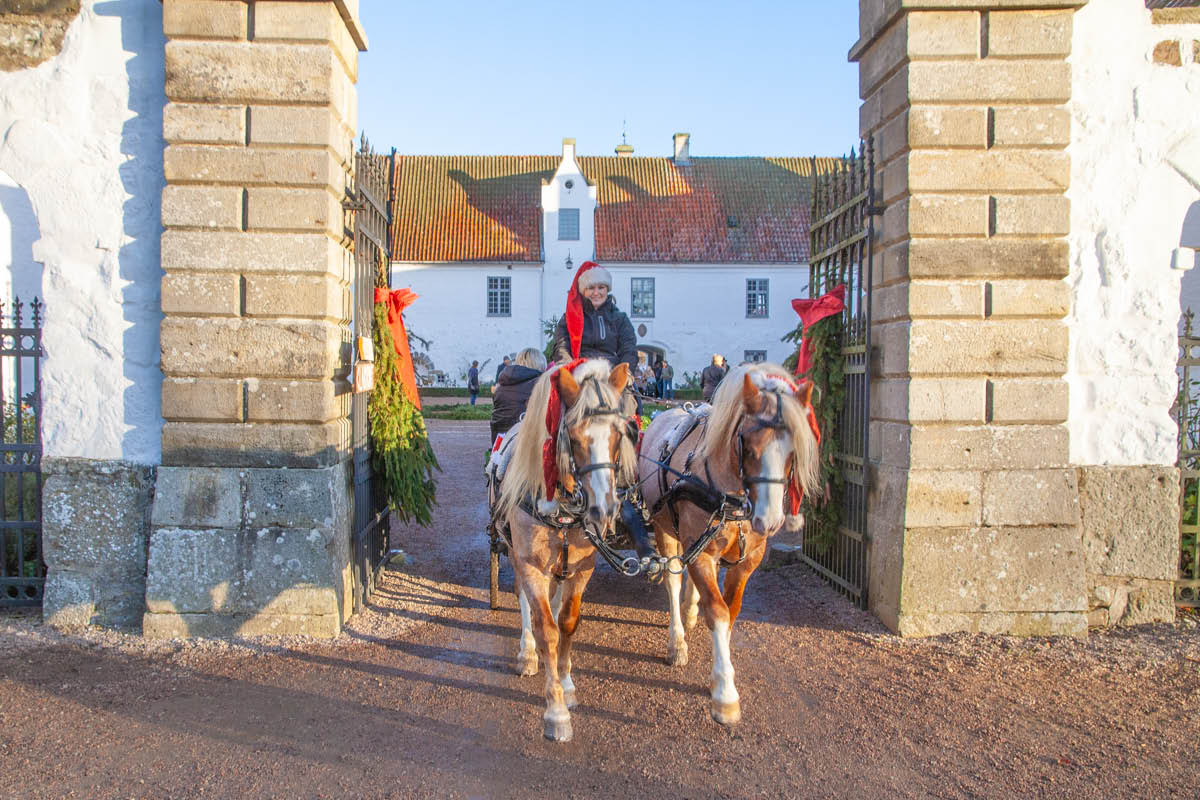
(487, 78)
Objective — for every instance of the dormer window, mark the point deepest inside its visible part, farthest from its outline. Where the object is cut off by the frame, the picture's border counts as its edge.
(568, 224)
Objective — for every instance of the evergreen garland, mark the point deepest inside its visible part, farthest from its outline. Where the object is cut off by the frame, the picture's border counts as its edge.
(823, 514)
(402, 452)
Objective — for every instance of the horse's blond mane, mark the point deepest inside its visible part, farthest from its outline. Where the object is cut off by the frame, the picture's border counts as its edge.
(728, 410)
(524, 476)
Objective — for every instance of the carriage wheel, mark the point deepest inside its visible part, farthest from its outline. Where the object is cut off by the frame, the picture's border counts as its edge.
(494, 592)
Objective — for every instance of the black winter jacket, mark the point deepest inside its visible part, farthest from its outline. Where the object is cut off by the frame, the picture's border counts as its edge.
(513, 387)
(709, 378)
(607, 333)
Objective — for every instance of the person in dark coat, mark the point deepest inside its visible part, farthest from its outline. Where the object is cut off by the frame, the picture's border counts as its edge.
(711, 377)
(473, 381)
(500, 368)
(513, 388)
(604, 331)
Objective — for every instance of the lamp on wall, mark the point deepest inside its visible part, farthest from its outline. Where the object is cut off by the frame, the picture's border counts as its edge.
(568, 262)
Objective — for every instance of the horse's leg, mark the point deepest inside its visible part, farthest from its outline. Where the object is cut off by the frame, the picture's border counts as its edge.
(677, 649)
(527, 658)
(736, 577)
(536, 587)
(726, 708)
(570, 597)
(691, 603)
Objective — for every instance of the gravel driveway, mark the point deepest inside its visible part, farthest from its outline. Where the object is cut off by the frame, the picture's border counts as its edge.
(418, 699)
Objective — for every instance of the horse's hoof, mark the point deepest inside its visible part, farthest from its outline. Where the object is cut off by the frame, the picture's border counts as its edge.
(527, 666)
(558, 730)
(678, 657)
(727, 713)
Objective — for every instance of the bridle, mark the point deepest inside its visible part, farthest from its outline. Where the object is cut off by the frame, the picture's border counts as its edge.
(774, 423)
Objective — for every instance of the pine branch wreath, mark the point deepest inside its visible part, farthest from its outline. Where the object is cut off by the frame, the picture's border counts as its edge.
(402, 453)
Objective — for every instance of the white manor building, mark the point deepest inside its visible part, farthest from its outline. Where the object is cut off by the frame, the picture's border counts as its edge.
(706, 254)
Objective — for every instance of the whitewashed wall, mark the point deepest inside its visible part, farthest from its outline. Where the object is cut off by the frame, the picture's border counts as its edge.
(451, 312)
(1135, 172)
(82, 154)
(556, 195)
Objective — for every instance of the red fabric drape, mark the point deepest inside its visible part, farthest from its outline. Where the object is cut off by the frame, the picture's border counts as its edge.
(574, 312)
(397, 300)
(812, 312)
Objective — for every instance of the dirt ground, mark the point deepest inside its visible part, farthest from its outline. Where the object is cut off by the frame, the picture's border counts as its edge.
(418, 699)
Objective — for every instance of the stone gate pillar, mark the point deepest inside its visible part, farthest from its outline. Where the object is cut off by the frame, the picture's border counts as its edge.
(975, 513)
(252, 512)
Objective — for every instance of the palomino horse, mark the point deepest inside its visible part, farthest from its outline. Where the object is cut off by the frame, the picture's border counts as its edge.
(546, 515)
(717, 484)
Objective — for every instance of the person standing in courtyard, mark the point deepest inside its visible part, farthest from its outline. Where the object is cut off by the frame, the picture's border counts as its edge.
(473, 381)
(711, 376)
(666, 381)
(503, 365)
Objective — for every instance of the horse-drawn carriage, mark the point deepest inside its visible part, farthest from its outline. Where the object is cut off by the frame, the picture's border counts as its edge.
(716, 483)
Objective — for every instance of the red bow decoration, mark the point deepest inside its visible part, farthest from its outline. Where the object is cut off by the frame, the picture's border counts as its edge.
(795, 495)
(397, 300)
(811, 312)
(553, 420)
(574, 313)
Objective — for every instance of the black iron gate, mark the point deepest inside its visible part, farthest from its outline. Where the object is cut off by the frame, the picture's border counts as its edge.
(369, 198)
(840, 238)
(22, 571)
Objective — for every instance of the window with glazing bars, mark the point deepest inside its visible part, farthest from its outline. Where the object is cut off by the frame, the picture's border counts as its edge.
(756, 297)
(499, 297)
(754, 356)
(568, 224)
(641, 292)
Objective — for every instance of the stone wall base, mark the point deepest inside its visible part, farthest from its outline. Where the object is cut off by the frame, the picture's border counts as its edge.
(95, 526)
(1025, 623)
(1130, 527)
(249, 552)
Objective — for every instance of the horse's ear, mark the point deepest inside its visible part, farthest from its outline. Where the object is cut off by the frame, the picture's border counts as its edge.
(619, 377)
(749, 392)
(804, 393)
(568, 387)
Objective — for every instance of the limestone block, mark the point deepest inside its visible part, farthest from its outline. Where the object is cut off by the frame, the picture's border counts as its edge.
(223, 347)
(978, 447)
(1130, 601)
(942, 499)
(882, 57)
(311, 22)
(204, 399)
(885, 102)
(204, 19)
(294, 209)
(892, 179)
(943, 34)
(947, 399)
(893, 343)
(947, 126)
(297, 401)
(300, 125)
(988, 170)
(249, 72)
(301, 499)
(217, 571)
(204, 124)
(196, 497)
(1031, 215)
(1029, 298)
(1030, 126)
(945, 215)
(217, 207)
(1030, 497)
(315, 296)
(1130, 520)
(209, 294)
(256, 445)
(1015, 258)
(958, 299)
(68, 599)
(252, 166)
(1029, 33)
(225, 626)
(988, 80)
(993, 569)
(33, 32)
(95, 516)
(996, 347)
(310, 253)
(1067, 623)
(1030, 400)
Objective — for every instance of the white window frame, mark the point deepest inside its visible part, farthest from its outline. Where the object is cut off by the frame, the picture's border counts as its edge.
(633, 313)
(754, 288)
(499, 296)
(563, 215)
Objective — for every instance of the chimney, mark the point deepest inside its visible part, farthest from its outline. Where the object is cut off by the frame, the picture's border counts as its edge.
(568, 149)
(681, 148)
(624, 151)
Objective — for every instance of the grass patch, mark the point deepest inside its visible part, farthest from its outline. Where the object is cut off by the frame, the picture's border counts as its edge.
(460, 412)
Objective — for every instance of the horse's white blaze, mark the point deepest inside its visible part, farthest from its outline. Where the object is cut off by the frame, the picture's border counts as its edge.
(723, 690)
(768, 505)
(601, 480)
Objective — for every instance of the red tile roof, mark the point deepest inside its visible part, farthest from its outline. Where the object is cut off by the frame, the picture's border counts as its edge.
(714, 210)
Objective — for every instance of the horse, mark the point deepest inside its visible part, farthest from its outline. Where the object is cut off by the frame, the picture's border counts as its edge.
(555, 521)
(716, 481)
